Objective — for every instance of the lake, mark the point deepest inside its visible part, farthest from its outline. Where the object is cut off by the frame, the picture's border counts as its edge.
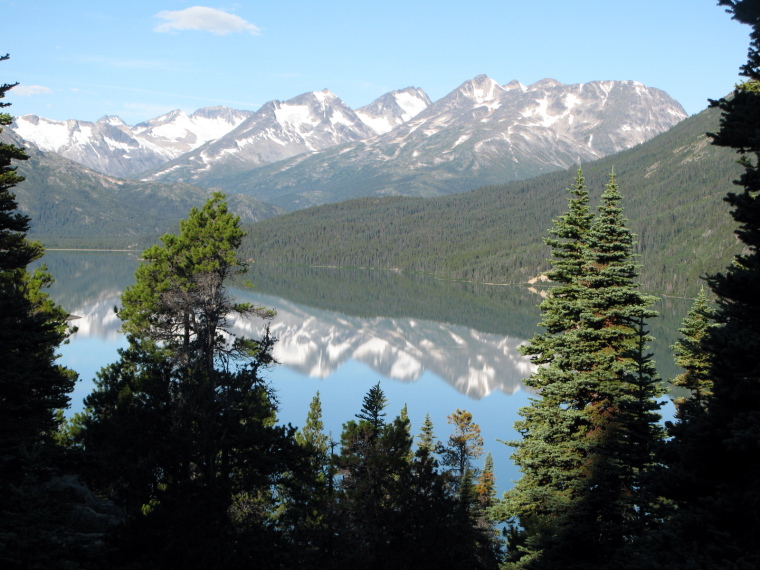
(435, 346)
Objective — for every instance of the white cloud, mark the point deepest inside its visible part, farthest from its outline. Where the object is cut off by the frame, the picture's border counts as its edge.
(29, 90)
(203, 18)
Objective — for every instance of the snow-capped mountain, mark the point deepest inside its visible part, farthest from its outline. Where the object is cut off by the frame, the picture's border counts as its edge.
(394, 108)
(480, 133)
(279, 130)
(114, 148)
(314, 149)
(182, 133)
(316, 343)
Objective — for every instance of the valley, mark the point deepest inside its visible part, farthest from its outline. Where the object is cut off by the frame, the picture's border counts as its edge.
(460, 188)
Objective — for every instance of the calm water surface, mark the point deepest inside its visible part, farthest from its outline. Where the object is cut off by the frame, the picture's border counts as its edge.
(434, 346)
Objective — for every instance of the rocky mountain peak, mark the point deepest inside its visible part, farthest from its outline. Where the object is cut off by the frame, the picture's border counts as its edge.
(514, 84)
(394, 108)
(547, 83)
(481, 89)
(114, 120)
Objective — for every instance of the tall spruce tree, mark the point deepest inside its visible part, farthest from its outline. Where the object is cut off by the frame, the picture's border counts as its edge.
(32, 386)
(548, 453)
(716, 474)
(590, 436)
(690, 354)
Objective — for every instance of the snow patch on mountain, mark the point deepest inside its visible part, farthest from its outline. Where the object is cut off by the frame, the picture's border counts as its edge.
(393, 109)
(112, 147)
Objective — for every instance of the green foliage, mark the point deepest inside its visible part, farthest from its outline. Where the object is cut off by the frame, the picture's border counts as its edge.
(464, 445)
(493, 234)
(395, 509)
(589, 439)
(714, 475)
(426, 444)
(182, 427)
(32, 386)
(372, 408)
(690, 354)
(179, 298)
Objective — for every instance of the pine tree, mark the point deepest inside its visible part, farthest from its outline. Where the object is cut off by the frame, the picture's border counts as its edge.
(591, 435)
(716, 471)
(690, 354)
(426, 444)
(183, 425)
(33, 388)
(396, 510)
(550, 452)
(309, 514)
(372, 408)
(464, 445)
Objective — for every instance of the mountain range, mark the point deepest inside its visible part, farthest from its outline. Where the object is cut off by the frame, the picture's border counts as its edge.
(71, 205)
(482, 132)
(111, 147)
(314, 149)
(673, 187)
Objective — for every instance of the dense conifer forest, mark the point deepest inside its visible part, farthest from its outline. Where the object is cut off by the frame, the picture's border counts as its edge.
(178, 461)
(673, 186)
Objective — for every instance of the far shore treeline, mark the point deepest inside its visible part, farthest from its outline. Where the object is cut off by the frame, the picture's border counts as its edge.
(673, 188)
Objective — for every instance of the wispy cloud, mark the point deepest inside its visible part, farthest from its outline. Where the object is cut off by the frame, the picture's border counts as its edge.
(29, 90)
(203, 18)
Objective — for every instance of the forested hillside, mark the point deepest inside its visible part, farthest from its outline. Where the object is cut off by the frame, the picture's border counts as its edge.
(73, 206)
(672, 187)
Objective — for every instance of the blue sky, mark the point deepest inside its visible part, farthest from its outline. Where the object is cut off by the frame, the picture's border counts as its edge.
(137, 59)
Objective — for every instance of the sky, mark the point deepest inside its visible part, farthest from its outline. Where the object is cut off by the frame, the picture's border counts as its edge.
(139, 59)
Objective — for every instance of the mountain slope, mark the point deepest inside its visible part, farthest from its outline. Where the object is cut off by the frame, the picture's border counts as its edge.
(481, 133)
(672, 186)
(279, 130)
(112, 147)
(71, 205)
(393, 109)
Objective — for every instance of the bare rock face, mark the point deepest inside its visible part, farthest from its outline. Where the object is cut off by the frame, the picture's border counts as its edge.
(481, 133)
(279, 130)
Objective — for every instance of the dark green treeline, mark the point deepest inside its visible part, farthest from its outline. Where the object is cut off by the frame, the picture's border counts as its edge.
(674, 186)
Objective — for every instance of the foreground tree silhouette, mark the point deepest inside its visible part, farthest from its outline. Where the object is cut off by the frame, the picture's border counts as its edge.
(396, 509)
(591, 435)
(182, 426)
(32, 386)
(715, 480)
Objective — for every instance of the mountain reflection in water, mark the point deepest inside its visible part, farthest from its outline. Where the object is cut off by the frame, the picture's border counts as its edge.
(316, 343)
(342, 330)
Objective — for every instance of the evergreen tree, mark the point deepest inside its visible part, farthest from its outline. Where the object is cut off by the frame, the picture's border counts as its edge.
(426, 444)
(690, 354)
(716, 472)
(309, 513)
(396, 510)
(183, 426)
(550, 452)
(312, 436)
(591, 435)
(32, 386)
(464, 445)
(372, 408)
